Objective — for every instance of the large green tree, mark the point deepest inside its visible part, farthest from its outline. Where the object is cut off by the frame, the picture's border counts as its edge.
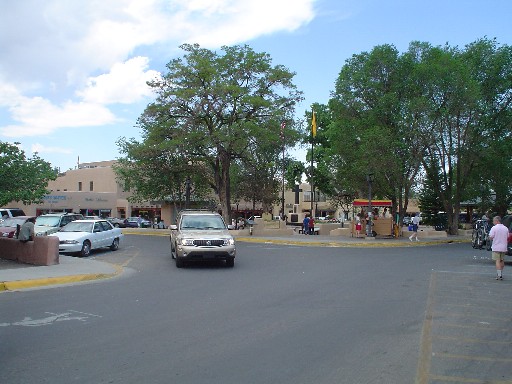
(467, 121)
(370, 129)
(211, 107)
(23, 178)
(439, 112)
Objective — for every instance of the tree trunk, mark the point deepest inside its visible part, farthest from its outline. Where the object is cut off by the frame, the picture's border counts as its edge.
(224, 184)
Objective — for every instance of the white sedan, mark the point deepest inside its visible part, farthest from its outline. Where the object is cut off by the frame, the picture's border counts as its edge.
(82, 236)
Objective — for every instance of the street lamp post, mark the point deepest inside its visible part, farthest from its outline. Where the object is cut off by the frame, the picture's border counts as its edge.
(187, 186)
(369, 178)
(187, 193)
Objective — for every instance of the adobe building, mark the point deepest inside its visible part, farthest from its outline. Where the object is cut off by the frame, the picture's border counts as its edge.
(92, 190)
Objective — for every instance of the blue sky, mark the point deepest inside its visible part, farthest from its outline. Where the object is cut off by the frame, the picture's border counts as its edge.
(73, 73)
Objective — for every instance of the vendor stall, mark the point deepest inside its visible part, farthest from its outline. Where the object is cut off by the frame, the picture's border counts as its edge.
(382, 220)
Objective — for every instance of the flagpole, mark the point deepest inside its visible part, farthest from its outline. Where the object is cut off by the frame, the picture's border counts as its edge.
(313, 134)
(312, 169)
(283, 124)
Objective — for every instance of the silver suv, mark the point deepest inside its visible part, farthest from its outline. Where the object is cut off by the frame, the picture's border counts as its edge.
(52, 222)
(201, 235)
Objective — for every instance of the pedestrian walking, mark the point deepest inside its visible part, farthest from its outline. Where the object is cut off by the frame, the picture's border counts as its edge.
(499, 237)
(415, 225)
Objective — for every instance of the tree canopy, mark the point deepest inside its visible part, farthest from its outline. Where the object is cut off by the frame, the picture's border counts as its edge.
(443, 113)
(21, 178)
(210, 110)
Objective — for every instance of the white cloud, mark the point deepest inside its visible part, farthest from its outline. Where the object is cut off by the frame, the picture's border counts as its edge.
(125, 83)
(40, 148)
(65, 41)
(67, 60)
(38, 116)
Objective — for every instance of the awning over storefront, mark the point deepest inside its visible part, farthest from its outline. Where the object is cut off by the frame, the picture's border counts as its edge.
(375, 203)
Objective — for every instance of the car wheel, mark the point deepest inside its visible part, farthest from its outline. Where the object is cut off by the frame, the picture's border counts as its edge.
(179, 262)
(474, 239)
(479, 239)
(86, 249)
(115, 244)
(173, 250)
(230, 263)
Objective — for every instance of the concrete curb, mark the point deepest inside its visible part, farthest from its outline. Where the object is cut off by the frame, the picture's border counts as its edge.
(60, 280)
(354, 244)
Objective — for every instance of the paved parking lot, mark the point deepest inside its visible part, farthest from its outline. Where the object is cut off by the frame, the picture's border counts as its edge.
(466, 334)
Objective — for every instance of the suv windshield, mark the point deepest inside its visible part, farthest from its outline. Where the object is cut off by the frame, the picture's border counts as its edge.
(202, 222)
(48, 221)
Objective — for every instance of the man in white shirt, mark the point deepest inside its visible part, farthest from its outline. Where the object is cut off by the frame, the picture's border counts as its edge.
(499, 236)
(415, 225)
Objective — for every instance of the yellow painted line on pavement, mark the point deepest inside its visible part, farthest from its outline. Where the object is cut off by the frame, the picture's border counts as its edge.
(369, 244)
(473, 358)
(455, 379)
(144, 233)
(459, 340)
(423, 370)
(33, 283)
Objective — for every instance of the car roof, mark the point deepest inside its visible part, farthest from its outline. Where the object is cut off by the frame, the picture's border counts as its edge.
(21, 217)
(61, 214)
(87, 220)
(199, 213)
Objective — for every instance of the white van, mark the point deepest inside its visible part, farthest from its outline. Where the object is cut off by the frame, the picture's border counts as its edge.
(6, 213)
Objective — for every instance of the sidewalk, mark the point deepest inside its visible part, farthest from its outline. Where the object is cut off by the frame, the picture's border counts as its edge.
(15, 276)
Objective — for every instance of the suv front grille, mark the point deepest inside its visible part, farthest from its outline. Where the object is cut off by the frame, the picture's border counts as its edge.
(208, 243)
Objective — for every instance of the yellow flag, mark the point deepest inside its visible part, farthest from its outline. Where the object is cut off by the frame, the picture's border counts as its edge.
(313, 124)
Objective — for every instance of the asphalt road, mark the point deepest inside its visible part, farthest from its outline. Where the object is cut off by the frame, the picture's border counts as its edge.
(284, 314)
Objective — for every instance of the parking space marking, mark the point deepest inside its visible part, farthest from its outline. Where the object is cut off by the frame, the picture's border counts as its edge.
(466, 335)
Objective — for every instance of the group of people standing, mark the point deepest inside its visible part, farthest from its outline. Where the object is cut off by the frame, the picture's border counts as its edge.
(308, 225)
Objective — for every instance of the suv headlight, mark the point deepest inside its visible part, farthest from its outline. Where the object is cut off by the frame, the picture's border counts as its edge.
(186, 241)
(229, 241)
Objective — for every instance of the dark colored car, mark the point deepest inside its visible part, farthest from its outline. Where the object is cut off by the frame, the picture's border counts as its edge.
(9, 226)
(507, 222)
(118, 223)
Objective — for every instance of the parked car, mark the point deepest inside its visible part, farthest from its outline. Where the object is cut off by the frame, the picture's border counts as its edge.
(6, 213)
(507, 222)
(199, 236)
(52, 222)
(118, 223)
(133, 222)
(82, 236)
(8, 226)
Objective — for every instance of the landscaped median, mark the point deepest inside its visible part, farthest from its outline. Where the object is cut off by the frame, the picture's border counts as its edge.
(315, 241)
(351, 243)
